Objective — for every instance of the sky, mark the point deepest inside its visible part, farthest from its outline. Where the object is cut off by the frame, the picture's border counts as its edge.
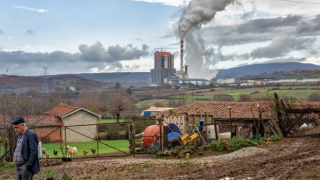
(82, 36)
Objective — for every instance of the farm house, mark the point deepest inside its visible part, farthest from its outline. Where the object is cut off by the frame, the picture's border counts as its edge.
(73, 118)
(64, 117)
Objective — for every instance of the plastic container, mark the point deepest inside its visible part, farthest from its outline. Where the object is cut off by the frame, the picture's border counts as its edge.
(173, 135)
(174, 128)
(201, 125)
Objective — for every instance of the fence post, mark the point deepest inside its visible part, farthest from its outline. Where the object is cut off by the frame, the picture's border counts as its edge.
(165, 139)
(215, 128)
(97, 140)
(61, 141)
(65, 138)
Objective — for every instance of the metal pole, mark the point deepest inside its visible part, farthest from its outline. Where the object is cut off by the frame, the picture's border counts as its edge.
(230, 122)
(215, 128)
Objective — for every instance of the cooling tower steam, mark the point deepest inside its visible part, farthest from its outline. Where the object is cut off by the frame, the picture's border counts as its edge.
(199, 12)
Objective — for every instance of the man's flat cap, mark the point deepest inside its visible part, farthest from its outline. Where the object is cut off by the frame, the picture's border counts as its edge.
(18, 120)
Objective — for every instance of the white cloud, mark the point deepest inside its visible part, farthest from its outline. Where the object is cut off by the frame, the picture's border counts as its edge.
(31, 9)
(313, 60)
(10, 37)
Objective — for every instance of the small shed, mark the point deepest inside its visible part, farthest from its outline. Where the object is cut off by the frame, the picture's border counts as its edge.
(76, 120)
(154, 111)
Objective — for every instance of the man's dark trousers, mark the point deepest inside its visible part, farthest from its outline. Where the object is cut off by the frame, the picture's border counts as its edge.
(23, 174)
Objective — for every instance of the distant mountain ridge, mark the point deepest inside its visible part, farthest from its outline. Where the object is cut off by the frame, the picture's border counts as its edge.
(257, 69)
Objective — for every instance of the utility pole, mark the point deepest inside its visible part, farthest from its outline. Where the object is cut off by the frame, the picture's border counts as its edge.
(45, 68)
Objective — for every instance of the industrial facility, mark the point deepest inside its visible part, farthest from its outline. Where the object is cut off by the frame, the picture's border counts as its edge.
(163, 68)
(164, 71)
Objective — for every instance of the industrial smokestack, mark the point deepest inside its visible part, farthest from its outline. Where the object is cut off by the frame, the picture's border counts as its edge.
(186, 69)
(181, 59)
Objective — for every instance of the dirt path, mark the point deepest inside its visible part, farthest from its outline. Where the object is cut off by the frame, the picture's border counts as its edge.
(289, 159)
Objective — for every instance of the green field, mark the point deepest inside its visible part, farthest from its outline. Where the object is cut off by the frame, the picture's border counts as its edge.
(119, 144)
(111, 121)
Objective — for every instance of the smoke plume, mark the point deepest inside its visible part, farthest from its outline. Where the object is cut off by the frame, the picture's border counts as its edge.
(199, 12)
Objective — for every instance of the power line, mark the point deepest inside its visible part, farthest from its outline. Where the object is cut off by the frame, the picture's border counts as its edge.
(300, 1)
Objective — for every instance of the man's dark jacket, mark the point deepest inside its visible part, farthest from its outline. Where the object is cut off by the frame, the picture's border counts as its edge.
(29, 151)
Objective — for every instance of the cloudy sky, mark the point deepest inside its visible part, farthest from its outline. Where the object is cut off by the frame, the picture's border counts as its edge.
(82, 36)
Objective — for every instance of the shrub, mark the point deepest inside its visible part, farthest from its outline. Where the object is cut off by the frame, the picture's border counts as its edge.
(159, 104)
(212, 90)
(217, 146)
(275, 137)
(314, 97)
(244, 98)
(238, 143)
(223, 97)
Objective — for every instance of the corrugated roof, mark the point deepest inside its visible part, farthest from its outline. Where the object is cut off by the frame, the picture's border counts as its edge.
(61, 110)
(158, 109)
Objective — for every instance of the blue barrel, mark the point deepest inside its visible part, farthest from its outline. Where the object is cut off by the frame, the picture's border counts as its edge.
(201, 125)
(173, 135)
(174, 128)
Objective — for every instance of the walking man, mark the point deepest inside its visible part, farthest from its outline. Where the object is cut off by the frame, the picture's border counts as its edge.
(26, 153)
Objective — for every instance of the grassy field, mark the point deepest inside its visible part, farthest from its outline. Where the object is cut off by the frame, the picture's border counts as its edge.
(207, 94)
(111, 121)
(119, 144)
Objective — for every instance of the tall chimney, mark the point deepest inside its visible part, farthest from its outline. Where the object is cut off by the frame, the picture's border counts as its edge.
(181, 59)
(186, 69)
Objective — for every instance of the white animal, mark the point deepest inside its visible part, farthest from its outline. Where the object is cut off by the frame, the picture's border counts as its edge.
(71, 151)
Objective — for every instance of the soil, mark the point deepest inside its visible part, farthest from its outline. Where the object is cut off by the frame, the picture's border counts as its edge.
(291, 158)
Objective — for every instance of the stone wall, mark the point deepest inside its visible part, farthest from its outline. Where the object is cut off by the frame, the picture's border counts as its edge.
(80, 118)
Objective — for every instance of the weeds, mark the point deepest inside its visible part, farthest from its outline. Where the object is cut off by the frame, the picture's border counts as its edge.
(217, 146)
(49, 173)
(146, 165)
(6, 166)
(183, 164)
(275, 137)
(238, 143)
(313, 176)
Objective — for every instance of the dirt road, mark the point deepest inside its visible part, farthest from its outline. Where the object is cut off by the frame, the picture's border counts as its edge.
(288, 159)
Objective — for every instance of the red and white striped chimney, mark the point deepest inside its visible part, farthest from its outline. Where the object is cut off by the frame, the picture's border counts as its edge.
(181, 58)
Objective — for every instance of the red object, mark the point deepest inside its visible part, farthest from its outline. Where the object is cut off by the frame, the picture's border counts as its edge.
(151, 135)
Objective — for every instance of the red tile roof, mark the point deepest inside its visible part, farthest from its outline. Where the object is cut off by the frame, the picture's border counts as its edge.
(238, 109)
(41, 120)
(61, 110)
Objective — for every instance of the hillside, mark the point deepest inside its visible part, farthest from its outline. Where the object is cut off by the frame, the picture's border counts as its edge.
(257, 69)
(24, 83)
(132, 77)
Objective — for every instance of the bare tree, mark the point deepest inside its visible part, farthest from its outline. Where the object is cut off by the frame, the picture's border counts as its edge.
(118, 103)
(92, 102)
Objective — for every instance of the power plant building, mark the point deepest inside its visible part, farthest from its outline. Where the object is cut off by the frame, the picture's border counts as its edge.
(163, 68)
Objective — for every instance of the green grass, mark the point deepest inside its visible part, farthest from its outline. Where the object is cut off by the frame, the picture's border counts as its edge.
(119, 144)
(111, 120)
